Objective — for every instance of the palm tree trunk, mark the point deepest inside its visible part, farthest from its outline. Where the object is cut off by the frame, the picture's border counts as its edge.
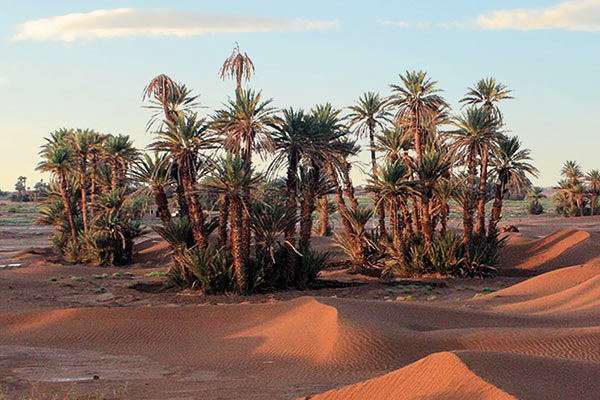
(349, 188)
(468, 208)
(342, 208)
(196, 212)
(496, 212)
(67, 205)
(93, 178)
(239, 264)
(291, 190)
(324, 216)
(223, 219)
(480, 229)
(380, 204)
(114, 174)
(397, 229)
(427, 225)
(162, 204)
(83, 194)
(308, 207)
(408, 229)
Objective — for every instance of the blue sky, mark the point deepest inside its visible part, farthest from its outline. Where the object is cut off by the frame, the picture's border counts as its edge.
(90, 71)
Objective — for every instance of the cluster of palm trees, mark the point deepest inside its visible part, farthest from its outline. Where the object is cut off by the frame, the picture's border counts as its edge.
(88, 199)
(577, 192)
(202, 175)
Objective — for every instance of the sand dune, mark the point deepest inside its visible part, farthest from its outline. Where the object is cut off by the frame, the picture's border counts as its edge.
(546, 329)
(297, 347)
(560, 249)
(478, 375)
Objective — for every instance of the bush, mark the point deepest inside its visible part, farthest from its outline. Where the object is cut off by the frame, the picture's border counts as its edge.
(311, 263)
(535, 208)
(210, 270)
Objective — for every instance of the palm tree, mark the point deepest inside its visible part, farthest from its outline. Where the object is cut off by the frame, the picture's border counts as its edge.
(369, 114)
(237, 66)
(433, 167)
(487, 93)
(245, 125)
(232, 176)
(82, 144)
(393, 185)
(593, 180)
(476, 131)
(155, 173)
(536, 194)
(57, 159)
(119, 152)
(293, 142)
(418, 102)
(184, 140)
(510, 165)
(395, 143)
(573, 174)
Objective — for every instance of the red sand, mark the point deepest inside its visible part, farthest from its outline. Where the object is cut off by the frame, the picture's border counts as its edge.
(538, 339)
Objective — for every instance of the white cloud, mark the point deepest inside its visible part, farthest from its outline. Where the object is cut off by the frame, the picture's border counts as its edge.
(159, 22)
(398, 24)
(576, 15)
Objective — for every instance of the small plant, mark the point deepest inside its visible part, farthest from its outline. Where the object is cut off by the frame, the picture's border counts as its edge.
(535, 208)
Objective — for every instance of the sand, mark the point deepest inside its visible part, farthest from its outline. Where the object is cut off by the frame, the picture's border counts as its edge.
(539, 338)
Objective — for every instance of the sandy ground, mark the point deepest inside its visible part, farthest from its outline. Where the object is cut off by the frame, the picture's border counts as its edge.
(533, 332)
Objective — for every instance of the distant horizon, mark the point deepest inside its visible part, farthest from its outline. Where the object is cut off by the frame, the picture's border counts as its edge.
(81, 66)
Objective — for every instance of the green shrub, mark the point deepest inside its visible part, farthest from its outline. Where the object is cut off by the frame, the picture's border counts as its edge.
(535, 208)
(311, 263)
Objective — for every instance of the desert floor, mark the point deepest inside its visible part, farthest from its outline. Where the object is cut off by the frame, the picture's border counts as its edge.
(533, 332)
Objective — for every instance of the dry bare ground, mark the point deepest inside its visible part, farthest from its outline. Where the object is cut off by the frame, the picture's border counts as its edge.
(531, 333)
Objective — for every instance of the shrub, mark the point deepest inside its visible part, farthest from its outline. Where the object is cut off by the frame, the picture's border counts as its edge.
(535, 208)
(210, 269)
(311, 263)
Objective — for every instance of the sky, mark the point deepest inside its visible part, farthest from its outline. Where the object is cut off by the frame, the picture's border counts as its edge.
(82, 64)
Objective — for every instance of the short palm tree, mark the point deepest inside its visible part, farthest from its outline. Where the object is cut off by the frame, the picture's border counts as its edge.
(232, 176)
(433, 167)
(395, 143)
(120, 152)
(58, 160)
(593, 182)
(393, 185)
(510, 165)
(154, 172)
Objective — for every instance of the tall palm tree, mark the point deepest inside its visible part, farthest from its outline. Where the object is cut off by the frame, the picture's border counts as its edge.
(369, 114)
(82, 144)
(245, 125)
(487, 93)
(418, 102)
(155, 173)
(232, 176)
(184, 139)
(475, 132)
(293, 142)
(237, 66)
(573, 174)
(57, 159)
(510, 165)
(593, 180)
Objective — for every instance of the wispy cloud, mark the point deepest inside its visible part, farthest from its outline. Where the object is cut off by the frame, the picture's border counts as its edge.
(2, 81)
(576, 15)
(392, 23)
(158, 22)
